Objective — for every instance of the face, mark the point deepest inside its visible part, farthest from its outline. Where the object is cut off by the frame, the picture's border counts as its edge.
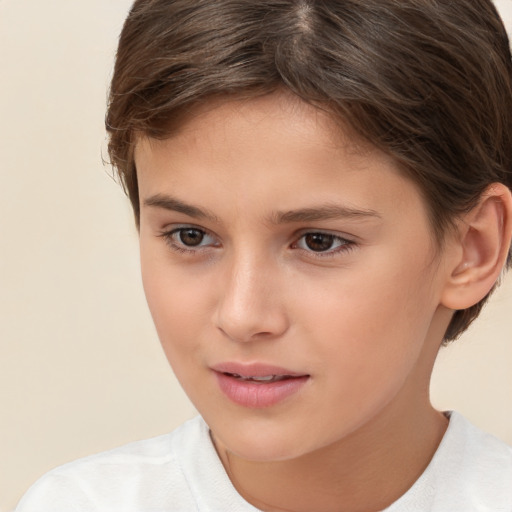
(291, 274)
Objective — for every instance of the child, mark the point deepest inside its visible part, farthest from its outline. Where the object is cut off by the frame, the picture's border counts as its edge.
(323, 195)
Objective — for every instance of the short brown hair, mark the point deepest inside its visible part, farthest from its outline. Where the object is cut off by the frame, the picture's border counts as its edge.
(427, 81)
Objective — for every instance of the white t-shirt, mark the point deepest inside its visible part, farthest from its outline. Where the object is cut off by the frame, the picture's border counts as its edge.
(181, 471)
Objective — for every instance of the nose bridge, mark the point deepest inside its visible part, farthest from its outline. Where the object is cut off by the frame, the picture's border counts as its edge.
(250, 305)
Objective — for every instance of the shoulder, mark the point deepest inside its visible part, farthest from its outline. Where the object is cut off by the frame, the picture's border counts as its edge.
(141, 475)
(482, 463)
(471, 470)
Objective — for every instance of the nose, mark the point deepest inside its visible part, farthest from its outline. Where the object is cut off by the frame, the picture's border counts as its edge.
(250, 306)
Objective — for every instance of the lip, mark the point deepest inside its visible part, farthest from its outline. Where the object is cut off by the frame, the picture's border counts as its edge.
(257, 395)
(254, 369)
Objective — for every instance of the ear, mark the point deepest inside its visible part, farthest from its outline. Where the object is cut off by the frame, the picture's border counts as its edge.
(481, 250)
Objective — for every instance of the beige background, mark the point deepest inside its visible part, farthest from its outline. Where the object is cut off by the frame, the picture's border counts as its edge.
(81, 369)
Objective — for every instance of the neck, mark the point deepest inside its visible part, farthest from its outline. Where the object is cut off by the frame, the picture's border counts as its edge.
(366, 471)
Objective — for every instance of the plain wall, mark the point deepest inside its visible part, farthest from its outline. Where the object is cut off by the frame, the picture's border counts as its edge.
(81, 369)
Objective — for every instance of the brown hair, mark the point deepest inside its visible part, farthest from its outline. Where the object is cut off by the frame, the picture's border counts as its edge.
(427, 81)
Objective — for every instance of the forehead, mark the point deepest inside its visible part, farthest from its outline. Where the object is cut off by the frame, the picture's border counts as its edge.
(274, 149)
(256, 109)
(280, 120)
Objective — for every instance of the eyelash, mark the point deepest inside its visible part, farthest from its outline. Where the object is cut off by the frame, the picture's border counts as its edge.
(168, 237)
(346, 245)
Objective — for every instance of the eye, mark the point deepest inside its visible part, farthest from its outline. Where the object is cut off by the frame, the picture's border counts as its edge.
(188, 239)
(323, 243)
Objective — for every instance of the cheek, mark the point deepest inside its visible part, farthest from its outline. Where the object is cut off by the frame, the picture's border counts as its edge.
(174, 305)
(366, 346)
(374, 323)
(178, 302)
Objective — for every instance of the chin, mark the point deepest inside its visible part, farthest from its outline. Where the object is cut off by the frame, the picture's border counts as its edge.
(259, 443)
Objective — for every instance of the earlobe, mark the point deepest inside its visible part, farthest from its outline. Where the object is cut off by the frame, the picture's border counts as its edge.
(482, 248)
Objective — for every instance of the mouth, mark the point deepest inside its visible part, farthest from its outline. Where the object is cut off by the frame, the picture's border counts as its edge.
(258, 385)
(266, 379)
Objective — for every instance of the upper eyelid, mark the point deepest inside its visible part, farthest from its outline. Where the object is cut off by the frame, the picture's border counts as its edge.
(169, 230)
(346, 240)
(297, 235)
(184, 225)
(336, 234)
(299, 232)
(177, 229)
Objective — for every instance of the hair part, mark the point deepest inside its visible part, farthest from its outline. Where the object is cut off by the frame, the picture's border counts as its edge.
(427, 81)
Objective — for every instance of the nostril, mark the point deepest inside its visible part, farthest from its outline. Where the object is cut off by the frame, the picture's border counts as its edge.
(243, 321)
(247, 335)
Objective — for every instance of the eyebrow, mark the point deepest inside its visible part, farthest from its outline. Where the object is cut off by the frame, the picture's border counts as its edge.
(312, 214)
(322, 212)
(171, 203)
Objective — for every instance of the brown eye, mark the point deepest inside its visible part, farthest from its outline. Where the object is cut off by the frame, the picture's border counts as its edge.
(191, 237)
(319, 242)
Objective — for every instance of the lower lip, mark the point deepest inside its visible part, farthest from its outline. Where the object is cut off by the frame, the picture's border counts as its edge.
(257, 395)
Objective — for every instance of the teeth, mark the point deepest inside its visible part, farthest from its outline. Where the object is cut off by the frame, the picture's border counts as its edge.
(263, 379)
(267, 378)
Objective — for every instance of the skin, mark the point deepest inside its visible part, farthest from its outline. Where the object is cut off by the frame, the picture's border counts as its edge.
(364, 319)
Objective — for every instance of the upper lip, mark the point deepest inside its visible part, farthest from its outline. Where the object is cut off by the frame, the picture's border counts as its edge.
(255, 369)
